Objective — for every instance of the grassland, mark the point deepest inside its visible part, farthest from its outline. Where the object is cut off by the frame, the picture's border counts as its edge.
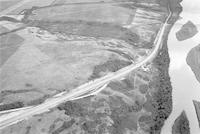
(8, 45)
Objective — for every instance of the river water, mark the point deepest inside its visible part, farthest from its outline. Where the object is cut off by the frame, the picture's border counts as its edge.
(185, 86)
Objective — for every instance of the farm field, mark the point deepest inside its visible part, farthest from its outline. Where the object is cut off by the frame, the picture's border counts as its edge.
(105, 13)
(30, 4)
(102, 19)
(8, 45)
(4, 4)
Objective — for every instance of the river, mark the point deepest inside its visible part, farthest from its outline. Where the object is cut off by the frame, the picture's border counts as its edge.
(185, 86)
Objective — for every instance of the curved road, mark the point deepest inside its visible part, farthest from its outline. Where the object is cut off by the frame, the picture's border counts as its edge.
(88, 89)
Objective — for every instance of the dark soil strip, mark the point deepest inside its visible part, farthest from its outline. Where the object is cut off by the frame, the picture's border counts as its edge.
(6, 18)
(8, 92)
(11, 106)
(12, 31)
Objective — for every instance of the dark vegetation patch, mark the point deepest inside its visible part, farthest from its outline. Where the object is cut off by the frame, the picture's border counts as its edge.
(121, 123)
(145, 118)
(6, 18)
(121, 53)
(93, 122)
(72, 109)
(28, 129)
(112, 65)
(148, 104)
(8, 92)
(122, 86)
(160, 103)
(64, 126)
(89, 127)
(143, 88)
(122, 120)
(181, 125)
(145, 122)
(89, 120)
(28, 85)
(23, 92)
(38, 101)
(174, 6)
(11, 106)
(122, 116)
(125, 108)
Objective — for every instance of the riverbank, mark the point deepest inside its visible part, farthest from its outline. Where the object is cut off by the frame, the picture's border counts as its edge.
(185, 86)
(163, 98)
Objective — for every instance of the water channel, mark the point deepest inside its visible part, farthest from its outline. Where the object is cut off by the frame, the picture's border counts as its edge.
(185, 86)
